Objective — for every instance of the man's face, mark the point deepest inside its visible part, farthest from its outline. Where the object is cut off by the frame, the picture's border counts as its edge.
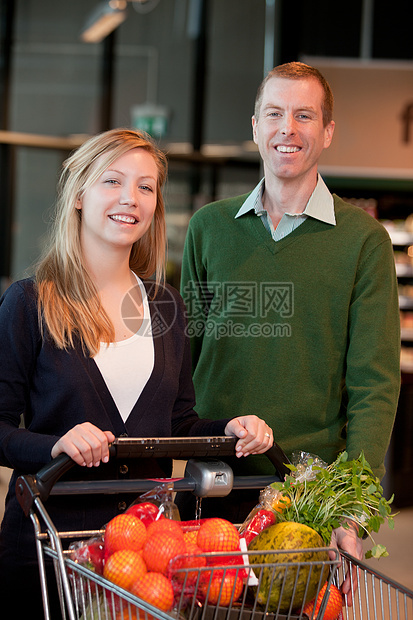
(289, 131)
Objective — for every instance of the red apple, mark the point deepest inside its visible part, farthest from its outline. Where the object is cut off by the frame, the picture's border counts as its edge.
(146, 512)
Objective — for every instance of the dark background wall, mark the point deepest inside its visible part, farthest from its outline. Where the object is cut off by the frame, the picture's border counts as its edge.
(204, 71)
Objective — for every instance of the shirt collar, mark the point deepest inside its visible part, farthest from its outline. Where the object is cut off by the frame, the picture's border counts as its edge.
(320, 205)
(253, 201)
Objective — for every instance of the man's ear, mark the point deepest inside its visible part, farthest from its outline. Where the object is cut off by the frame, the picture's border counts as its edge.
(254, 129)
(328, 134)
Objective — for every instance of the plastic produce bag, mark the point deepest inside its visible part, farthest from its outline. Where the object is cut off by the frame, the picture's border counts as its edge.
(307, 465)
(155, 504)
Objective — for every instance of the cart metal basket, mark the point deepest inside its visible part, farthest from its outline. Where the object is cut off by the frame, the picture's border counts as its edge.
(375, 595)
(219, 590)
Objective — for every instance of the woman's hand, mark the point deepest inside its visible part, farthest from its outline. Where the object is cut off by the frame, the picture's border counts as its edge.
(86, 444)
(255, 436)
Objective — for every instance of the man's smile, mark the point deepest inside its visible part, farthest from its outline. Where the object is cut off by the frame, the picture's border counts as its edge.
(282, 148)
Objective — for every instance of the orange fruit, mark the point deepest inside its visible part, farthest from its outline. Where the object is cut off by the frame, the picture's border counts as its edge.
(191, 559)
(334, 604)
(125, 615)
(167, 526)
(220, 587)
(132, 613)
(218, 535)
(124, 567)
(190, 536)
(156, 589)
(160, 548)
(281, 503)
(124, 532)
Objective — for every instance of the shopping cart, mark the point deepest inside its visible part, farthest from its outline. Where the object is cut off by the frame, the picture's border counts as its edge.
(220, 591)
(376, 597)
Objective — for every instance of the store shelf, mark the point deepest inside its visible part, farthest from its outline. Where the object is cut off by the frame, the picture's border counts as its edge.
(406, 365)
(405, 303)
(400, 238)
(404, 270)
(407, 334)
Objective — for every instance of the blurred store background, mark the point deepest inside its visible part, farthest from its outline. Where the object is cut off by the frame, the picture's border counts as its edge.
(187, 71)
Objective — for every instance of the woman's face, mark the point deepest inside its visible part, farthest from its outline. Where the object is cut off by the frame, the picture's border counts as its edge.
(118, 208)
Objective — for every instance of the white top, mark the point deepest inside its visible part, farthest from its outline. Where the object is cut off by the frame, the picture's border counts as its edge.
(127, 365)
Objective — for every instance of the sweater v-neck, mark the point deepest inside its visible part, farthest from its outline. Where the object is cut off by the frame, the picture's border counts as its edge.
(278, 246)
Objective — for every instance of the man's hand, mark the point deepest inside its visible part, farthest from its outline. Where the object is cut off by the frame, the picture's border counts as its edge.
(255, 436)
(347, 539)
(86, 444)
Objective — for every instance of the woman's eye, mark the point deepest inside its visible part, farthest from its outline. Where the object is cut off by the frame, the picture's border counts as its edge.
(146, 188)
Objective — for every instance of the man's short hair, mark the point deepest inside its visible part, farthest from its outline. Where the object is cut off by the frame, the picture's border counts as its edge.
(299, 71)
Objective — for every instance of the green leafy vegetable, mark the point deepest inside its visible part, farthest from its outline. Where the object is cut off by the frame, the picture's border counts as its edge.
(345, 490)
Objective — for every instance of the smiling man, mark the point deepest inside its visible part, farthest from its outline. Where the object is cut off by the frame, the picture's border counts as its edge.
(292, 125)
(292, 296)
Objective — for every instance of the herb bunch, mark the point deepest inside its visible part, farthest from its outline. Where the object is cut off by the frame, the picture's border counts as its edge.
(341, 491)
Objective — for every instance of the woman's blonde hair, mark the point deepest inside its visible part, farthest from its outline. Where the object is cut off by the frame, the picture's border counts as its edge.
(69, 304)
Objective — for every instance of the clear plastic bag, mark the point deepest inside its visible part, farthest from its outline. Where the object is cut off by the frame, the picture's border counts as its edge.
(155, 504)
(307, 465)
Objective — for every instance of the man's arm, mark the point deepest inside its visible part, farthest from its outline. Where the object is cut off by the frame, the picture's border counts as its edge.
(373, 356)
(194, 291)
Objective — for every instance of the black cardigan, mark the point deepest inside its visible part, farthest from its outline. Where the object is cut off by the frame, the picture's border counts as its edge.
(55, 390)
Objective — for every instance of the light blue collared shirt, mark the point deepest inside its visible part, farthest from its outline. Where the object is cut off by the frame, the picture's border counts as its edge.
(320, 207)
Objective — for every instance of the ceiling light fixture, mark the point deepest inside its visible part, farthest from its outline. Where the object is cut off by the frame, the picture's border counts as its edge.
(105, 18)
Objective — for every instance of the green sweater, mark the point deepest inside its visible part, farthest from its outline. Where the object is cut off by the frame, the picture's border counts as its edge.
(303, 332)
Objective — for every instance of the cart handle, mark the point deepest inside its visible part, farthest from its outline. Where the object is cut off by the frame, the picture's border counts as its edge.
(40, 485)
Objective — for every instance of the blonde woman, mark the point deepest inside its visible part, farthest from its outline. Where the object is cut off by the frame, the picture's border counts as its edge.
(93, 348)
